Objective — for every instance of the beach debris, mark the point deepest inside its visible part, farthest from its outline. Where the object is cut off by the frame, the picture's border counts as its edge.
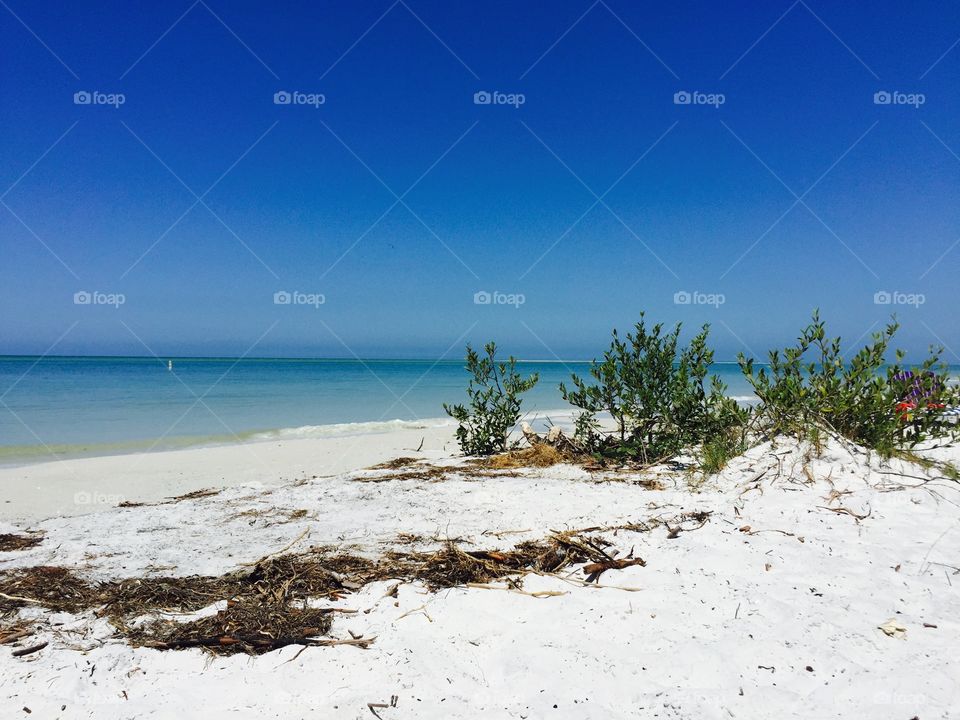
(673, 531)
(23, 652)
(15, 635)
(893, 628)
(195, 495)
(396, 463)
(540, 455)
(136, 596)
(555, 438)
(748, 531)
(373, 707)
(55, 588)
(10, 542)
(452, 566)
(268, 604)
(410, 469)
(846, 511)
(202, 493)
(248, 626)
(420, 609)
(596, 569)
(511, 586)
(529, 434)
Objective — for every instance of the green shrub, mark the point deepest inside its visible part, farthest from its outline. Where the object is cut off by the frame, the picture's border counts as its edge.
(810, 386)
(494, 393)
(655, 392)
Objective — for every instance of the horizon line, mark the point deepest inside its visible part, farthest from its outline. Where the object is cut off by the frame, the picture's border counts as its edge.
(165, 358)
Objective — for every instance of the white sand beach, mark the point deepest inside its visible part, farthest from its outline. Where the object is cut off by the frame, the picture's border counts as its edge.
(84, 485)
(769, 606)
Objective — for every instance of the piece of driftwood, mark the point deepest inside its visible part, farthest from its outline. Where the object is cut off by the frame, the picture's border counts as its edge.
(15, 635)
(596, 569)
(29, 650)
(555, 438)
(847, 511)
(20, 598)
(259, 641)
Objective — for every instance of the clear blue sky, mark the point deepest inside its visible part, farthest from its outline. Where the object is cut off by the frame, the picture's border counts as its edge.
(707, 198)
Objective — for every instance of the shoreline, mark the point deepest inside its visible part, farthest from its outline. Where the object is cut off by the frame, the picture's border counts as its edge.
(78, 486)
(12, 456)
(70, 486)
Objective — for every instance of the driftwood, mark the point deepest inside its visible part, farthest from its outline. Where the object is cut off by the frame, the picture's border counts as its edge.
(15, 635)
(29, 650)
(594, 570)
(554, 438)
(262, 642)
(847, 511)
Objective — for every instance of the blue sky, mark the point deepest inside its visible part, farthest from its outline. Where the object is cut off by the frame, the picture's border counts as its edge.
(399, 198)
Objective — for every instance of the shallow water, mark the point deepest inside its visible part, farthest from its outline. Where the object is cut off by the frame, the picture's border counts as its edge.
(71, 406)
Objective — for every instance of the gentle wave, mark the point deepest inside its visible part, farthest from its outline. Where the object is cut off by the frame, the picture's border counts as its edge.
(348, 429)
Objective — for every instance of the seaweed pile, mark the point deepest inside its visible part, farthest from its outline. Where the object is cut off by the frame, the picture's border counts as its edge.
(273, 603)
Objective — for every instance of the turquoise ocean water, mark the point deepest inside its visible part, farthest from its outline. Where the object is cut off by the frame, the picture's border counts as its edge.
(72, 406)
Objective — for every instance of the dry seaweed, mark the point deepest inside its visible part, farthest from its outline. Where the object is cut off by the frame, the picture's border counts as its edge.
(171, 594)
(245, 626)
(202, 493)
(54, 588)
(396, 463)
(267, 604)
(299, 576)
(539, 455)
(195, 495)
(431, 473)
(450, 566)
(10, 542)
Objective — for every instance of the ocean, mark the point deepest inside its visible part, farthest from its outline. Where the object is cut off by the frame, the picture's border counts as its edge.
(57, 407)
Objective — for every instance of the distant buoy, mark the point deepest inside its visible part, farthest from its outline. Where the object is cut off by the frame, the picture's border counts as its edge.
(169, 364)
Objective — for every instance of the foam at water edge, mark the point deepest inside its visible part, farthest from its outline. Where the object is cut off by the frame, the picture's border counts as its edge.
(347, 429)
